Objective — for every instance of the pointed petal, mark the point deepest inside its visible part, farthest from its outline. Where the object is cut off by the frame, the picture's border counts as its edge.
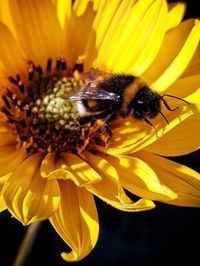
(32, 21)
(63, 11)
(80, 45)
(10, 53)
(106, 13)
(185, 86)
(76, 221)
(3, 180)
(136, 47)
(193, 67)
(148, 47)
(80, 6)
(140, 179)
(175, 15)
(71, 167)
(183, 139)
(184, 181)
(28, 196)
(110, 189)
(5, 15)
(111, 30)
(3, 206)
(166, 69)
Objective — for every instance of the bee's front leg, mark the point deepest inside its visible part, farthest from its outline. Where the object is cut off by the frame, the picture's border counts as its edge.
(106, 127)
(107, 131)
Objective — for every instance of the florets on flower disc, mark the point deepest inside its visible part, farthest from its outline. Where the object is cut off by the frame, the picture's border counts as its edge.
(41, 114)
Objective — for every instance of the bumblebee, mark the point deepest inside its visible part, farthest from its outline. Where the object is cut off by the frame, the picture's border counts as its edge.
(110, 96)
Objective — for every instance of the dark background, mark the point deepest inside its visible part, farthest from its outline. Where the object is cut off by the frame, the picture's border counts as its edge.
(167, 235)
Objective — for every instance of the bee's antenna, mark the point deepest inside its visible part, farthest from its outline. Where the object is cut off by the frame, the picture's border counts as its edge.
(166, 104)
(175, 97)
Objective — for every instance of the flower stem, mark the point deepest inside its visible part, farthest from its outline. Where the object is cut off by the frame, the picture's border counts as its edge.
(26, 244)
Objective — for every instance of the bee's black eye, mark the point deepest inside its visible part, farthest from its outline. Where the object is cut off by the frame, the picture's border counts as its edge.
(142, 105)
(146, 103)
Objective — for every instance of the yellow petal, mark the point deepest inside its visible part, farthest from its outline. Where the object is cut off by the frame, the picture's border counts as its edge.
(80, 6)
(3, 206)
(193, 67)
(183, 139)
(110, 189)
(136, 135)
(105, 14)
(129, 135)
(152, 39)
(70, 167)
(77, 44)
(10, 159)
(4, 127)
(175, 15)
(180, 44)
(28, 196)
(184, 181)
(185, 86)
(37, 28)
(81, 169)
(10, 54)
(121, 15)
(136, 46)
(63, 11)
(3, 179)
(76, 221)
(5, 15)
(140, 179)
(102, 17)
(56, 168)
(194, 100)
(97, 3)
(7, 138)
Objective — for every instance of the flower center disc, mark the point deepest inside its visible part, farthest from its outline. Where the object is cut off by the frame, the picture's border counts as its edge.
(42, 116)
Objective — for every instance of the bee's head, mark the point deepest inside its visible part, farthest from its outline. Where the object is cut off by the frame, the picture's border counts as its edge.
(146, 103)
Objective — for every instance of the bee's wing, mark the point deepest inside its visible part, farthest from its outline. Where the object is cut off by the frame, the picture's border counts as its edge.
(94, 95)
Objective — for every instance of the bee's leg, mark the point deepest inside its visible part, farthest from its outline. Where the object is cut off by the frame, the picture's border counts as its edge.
(110, 118)
(142, 117)
(106, 128)
(149, 123)
(107, 131)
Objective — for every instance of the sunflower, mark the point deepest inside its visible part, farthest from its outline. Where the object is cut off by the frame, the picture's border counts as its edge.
(52, 166)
